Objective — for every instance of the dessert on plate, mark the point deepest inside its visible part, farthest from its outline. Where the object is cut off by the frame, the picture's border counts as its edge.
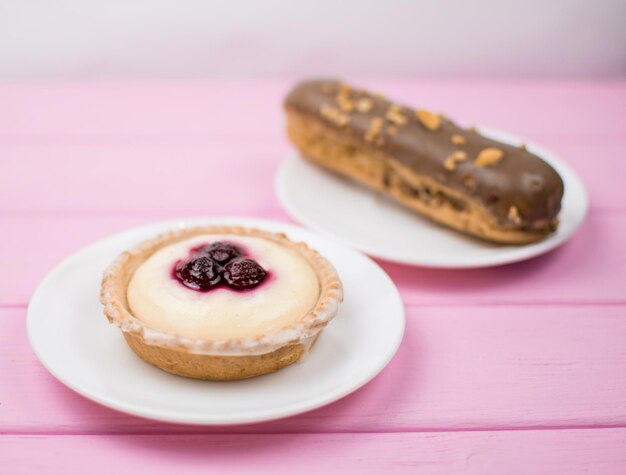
(450, 174)
(220, 302)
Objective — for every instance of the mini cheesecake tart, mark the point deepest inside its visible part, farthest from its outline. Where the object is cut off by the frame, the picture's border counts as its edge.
(220, 302)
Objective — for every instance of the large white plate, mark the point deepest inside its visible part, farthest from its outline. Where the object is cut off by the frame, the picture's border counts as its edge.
(379, 226)
(74, 341)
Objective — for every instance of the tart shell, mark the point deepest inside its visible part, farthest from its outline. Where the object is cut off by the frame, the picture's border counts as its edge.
(213, 367)
(218, 359)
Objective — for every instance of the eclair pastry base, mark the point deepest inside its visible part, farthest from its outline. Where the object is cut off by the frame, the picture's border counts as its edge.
(218, 359)
(327, 147)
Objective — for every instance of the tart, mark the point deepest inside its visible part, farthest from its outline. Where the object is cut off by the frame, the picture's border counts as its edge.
(220, 302)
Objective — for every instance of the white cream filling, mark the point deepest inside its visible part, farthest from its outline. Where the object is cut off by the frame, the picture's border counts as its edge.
(290, 292)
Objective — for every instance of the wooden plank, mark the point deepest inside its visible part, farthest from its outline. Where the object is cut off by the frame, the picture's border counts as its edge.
(457, 368)
(514, 453)
(221, 175)
(590, 268)
(127, 179)
(574, 110)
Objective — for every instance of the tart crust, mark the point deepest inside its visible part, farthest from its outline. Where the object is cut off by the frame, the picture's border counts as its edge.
(218, 359)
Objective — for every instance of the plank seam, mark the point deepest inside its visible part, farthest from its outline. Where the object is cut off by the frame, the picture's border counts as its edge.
(114, 139)
(416, 305)
(159, 214)
(174, 213)
(425, 430)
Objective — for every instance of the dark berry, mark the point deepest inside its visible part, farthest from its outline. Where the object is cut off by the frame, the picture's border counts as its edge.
(199, 272)
(242, 273)
(221, 252)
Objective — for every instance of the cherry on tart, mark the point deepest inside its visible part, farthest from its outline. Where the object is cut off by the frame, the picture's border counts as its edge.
(220, 303)
(221, 252)
(204, 271)
(243, 274)
(199, 272)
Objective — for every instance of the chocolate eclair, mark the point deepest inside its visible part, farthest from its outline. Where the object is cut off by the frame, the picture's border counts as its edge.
(452, 175)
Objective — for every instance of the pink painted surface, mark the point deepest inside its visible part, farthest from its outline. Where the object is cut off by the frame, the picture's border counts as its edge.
(597, 451)
(458, 368)
(516, 369)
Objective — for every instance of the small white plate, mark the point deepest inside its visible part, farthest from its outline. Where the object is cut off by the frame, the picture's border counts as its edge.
(377, 225)
(74, 341)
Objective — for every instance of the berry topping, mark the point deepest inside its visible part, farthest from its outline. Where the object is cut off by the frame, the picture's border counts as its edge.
(242, 273)
(221, 252)
(200, 273)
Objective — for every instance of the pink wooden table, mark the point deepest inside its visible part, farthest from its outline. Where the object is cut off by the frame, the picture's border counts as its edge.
(517, 369)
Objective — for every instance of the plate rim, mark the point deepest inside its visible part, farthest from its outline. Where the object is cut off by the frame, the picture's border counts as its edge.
(231, 419)
(513, 253)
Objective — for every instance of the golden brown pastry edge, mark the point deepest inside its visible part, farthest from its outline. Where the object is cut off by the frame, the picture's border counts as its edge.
(212, 367)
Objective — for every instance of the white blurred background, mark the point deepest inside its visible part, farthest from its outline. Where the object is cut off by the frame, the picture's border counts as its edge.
(122, 39)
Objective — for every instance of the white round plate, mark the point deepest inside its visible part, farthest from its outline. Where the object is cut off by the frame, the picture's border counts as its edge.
(377, 225)
(74, 341)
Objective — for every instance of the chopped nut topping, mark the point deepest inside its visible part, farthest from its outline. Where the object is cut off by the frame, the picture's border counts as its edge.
(392, 130)
(379, 141)
(344, 103)
(327, 110)
(470, 182)
(458, 139)
(376, 126)
(334, 115)
(488, 156)
(514, 215)
(364, 105)
(343, 98)
(394, 114)
(327, 88)
(522, 147)
(450, 162)
(428, 119)
(472, 128)
(378, 95)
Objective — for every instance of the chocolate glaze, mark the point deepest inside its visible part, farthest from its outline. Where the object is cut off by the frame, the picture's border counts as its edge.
(519, 179)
